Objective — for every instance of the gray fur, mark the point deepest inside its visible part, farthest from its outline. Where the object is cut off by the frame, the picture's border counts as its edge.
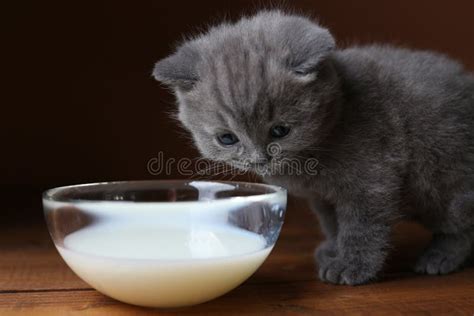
(392, 129)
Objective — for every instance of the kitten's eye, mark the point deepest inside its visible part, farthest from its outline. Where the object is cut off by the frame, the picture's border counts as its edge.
(300, 72)
(279, 131)
(227, 139)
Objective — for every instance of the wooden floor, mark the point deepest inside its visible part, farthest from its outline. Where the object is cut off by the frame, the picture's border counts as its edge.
(35, 281)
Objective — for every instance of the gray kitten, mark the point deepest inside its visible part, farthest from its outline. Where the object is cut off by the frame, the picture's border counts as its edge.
(392, 129)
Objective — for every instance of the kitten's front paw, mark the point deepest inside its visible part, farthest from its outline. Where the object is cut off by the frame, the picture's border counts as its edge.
(435, 262)
(445, 254)
(340, 271)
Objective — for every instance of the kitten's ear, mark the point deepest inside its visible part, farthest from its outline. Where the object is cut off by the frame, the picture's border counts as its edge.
(178, 70)
(309, 45)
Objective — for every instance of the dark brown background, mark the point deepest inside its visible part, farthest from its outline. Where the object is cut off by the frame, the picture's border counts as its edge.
(79, 104)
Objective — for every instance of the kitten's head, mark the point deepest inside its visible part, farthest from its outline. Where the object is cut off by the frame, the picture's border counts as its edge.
(256, 91)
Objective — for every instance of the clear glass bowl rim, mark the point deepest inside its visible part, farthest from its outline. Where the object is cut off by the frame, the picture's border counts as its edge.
(49, 195)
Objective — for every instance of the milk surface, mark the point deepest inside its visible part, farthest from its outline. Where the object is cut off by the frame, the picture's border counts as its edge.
(164, 266)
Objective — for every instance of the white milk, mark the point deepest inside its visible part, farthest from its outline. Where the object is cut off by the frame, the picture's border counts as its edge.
(164, 266)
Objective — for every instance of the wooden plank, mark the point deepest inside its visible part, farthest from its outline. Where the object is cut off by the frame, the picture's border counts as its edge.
(449, 295)
(35, 281)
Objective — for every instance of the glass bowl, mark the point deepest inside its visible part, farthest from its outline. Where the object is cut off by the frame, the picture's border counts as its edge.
(165, 243)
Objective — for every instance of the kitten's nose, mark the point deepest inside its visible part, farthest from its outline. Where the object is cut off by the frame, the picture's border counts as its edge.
(261, 158)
